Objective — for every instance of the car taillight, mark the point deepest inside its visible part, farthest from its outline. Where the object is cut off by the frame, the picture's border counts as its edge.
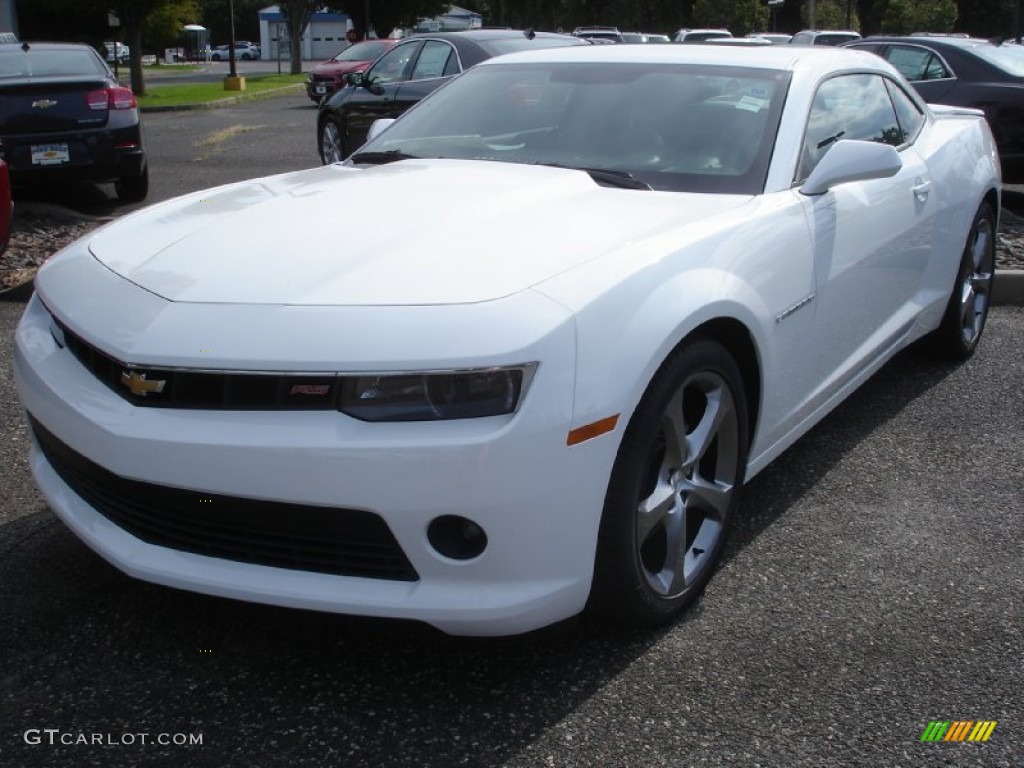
(118, 97)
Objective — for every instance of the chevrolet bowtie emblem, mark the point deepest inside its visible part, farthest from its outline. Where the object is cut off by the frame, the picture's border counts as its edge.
(140, 385)
(43, 104)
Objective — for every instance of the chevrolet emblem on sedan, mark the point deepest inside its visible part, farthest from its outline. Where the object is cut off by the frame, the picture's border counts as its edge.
(537, 388)
(140, 385)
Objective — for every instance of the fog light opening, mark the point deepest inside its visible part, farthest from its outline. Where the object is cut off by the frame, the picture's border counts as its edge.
(456, 537)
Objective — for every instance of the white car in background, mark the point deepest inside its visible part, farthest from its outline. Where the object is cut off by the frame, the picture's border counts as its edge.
(117, 51)
(593, 290)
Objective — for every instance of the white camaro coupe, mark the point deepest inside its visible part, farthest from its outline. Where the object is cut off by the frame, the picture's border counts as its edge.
(590, 292)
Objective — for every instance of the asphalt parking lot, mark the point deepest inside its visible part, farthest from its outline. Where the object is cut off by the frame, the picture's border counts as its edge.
(874, 585)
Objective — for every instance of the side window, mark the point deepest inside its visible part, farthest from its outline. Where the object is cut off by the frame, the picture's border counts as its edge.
(917, 64)
(911, 118)
(433, 60)
(392, 66)
(848, 107)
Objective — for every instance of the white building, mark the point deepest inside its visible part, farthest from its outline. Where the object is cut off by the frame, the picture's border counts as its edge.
(323, 38)
(454, 20)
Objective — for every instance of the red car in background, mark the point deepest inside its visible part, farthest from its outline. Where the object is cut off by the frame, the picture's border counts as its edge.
(328, 76)
(6, 206)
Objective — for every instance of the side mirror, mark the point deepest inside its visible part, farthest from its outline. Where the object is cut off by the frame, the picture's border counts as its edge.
(355, 78)
(852, 160)
(377, 127)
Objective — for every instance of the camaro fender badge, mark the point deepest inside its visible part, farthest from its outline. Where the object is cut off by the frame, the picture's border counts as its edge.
(802, 303)
(44, 104)
(139, 385)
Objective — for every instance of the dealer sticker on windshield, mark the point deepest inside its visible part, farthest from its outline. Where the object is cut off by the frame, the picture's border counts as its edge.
(50, 154)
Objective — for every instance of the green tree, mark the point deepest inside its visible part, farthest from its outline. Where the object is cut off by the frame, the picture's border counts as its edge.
(86, 21)
(738, 16)
(297, 14)
(905, 16)
(831, 14)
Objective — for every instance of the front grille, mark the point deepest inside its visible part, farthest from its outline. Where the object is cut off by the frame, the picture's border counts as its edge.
(346, 542)
(157, 387)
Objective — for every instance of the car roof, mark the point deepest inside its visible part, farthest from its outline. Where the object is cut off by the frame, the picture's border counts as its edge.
(481, 35)
(952, 42)
(780, 57)
(44, 46)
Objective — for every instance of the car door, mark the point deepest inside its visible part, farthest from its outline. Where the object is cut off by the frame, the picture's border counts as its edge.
(377, 99)
(871, 239)
(436, 62)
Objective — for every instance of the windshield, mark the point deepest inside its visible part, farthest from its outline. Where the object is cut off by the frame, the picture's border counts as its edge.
(49, 62)
(1009, 58)
(673, 127)
(362, 52)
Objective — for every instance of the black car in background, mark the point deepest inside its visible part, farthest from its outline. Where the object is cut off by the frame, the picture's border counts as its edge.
(966, 72)
(65, 118)
(408, 72)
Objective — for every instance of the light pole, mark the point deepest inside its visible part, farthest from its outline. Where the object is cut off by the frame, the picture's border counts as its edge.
(232, 82)
(231, 37)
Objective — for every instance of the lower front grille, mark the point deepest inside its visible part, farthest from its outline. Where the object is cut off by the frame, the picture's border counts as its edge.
(345, 542)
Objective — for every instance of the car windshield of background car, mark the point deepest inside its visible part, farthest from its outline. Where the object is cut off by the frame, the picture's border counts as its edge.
(1009, 58)
(672, 127)
(48, 63)
(367, 51)
(522, 43)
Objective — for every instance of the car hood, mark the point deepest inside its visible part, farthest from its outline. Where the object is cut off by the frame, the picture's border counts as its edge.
(407, 233)
(339, 67)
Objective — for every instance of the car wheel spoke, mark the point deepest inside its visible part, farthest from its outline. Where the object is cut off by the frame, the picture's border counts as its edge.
(975, 293)
(681, 519)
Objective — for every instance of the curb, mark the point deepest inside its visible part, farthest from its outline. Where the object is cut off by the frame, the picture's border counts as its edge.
(228, 101)
(1008, 287)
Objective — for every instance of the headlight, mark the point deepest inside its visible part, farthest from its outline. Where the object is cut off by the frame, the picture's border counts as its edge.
(435, 395)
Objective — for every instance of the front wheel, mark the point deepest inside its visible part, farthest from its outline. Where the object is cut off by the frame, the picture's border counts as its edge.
(674, 489)
(958, 335)
(332, 142)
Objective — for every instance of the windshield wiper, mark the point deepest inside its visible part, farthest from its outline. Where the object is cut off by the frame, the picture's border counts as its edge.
(831, 140)
(606, 176)
(379, 158)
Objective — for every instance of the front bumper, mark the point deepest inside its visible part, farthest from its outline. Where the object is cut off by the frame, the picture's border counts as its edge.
(538, 501)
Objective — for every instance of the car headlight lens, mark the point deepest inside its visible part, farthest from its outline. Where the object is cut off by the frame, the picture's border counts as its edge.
(435, 395)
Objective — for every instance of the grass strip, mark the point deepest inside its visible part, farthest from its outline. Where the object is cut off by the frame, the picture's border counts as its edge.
(170, 95)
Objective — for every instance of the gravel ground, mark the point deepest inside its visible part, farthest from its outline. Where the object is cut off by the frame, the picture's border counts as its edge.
(37, 234)
(34, 237)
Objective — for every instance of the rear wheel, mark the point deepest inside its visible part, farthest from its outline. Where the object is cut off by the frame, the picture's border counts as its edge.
(133, 189)
(962, 325)
(674, 489)
(332, 142)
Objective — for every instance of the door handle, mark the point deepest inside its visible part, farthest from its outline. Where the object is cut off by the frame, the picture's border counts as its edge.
(921, 189)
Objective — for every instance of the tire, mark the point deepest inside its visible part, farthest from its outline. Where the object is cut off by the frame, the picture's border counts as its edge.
(216, 57)
(332, 142)
(650, 567)
(964, 320)
(133, 189)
